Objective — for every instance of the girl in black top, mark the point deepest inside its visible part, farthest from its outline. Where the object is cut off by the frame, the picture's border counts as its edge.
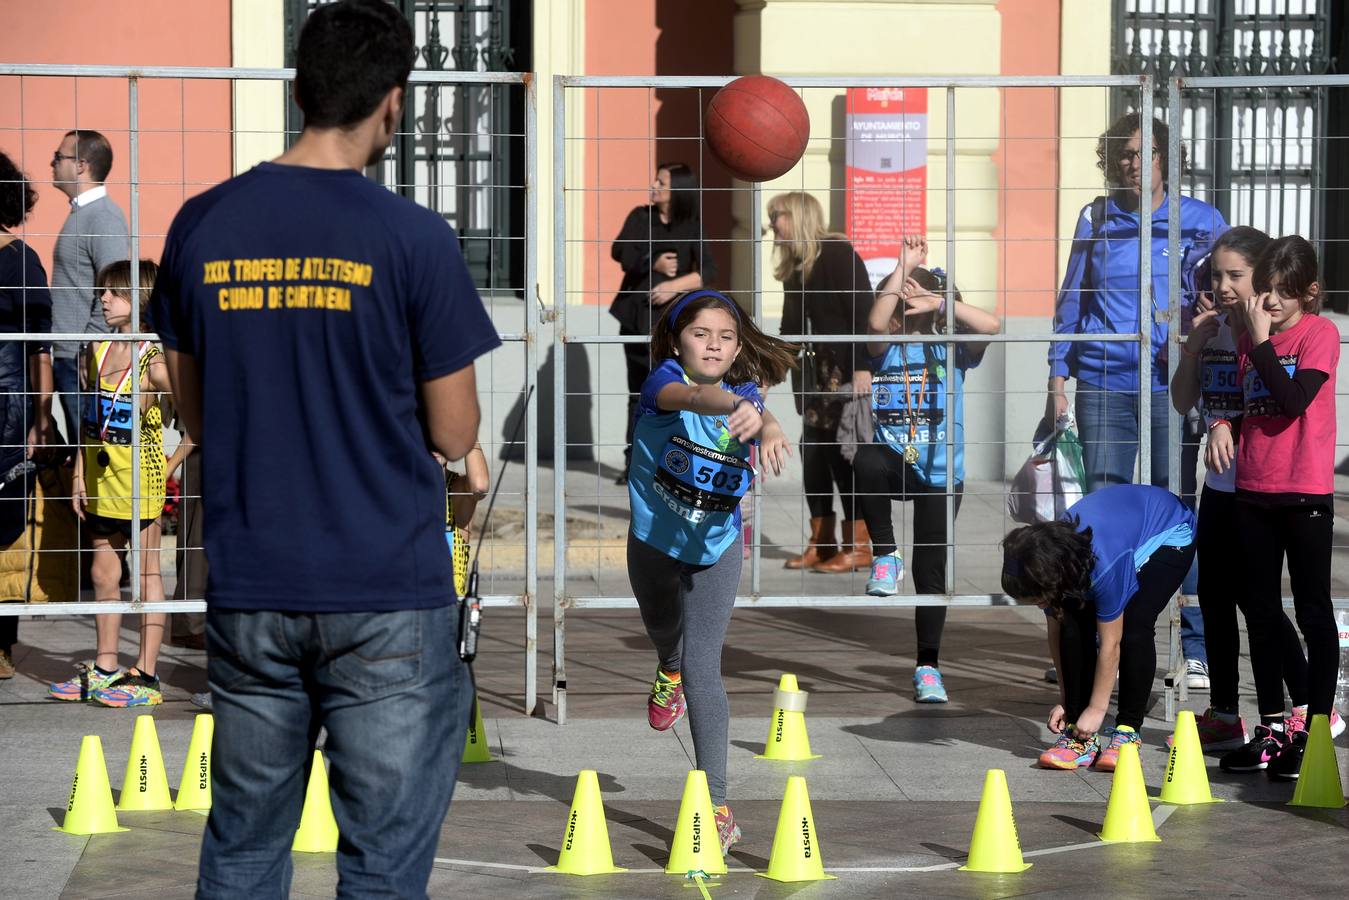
(661, 251)
(25, 370)
(827, 289)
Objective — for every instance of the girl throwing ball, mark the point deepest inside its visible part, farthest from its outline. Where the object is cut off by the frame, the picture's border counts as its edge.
(698, 413)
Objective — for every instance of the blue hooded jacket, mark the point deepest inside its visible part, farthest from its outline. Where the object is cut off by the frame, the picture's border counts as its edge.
(1100, 292)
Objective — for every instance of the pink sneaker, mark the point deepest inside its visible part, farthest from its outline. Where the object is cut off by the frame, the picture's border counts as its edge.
(1109, 757)
(666, 705)
(1069, 752)
(1215, 734)
(1300, 714)
(727, 830)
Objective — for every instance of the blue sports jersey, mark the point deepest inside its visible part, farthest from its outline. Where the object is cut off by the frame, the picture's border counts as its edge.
(908, 404)
(687, 474)
(1128, 523)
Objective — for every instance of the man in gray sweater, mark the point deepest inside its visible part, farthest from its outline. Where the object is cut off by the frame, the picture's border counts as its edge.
(94, 235)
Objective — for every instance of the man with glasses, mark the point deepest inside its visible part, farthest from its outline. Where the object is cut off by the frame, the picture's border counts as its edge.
(94, 235)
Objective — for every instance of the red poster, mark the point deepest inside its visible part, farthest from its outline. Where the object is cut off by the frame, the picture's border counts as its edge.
(886, 172)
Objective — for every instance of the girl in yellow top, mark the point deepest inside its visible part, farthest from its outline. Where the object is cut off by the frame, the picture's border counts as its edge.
(104, 489)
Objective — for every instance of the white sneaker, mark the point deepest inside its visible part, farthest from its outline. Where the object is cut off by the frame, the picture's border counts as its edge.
(1196, 675)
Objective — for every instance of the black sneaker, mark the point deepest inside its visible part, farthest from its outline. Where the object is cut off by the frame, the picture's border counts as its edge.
(1288, 764)
(1258, 753)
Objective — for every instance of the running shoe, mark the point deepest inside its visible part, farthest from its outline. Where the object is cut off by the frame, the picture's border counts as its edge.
(1215, 733)
(1051, 675)
(6, 664)
(1196, 675)
(666, 705)
(1288, 764)
(886, 573)
(82, 687)
(1109, 757)
(1069, 752)
(727, 830)
(928, 686)
(1264, 745)
(202, 700)
(1336, 721)
(134, 688)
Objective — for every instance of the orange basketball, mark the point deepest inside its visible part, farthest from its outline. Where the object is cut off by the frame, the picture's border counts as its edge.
(757, 127)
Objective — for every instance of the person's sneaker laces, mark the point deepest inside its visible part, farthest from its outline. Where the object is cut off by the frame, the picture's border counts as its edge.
(886, 573)
(1336, 721)
(1196, 675)
(1069, 752)
(134, 688)
(1109, 757)
(87, 680)
(928, 686)
(666, 705)
(1217, 733)
(727, 830)
(1264, 745)
(1288, 764)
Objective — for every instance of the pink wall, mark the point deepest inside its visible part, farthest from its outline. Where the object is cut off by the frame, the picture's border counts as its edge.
(185, 143)
(1027, 160)
(630, 130)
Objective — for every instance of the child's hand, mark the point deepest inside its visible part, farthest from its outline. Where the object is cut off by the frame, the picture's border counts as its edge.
(745, 422)
(861, 383)
(1257, 318)
(1221, 451)
(774, 448)
(918, 299)
(1089, 722)
(78, 499)
(1202, 330)
(913, 253)
(1056, 722)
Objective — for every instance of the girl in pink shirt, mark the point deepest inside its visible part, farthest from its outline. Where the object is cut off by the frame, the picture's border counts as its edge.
(1285, 484)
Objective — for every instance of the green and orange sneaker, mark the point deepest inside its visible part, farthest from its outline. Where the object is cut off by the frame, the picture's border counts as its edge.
(87, 680)
(134, 688)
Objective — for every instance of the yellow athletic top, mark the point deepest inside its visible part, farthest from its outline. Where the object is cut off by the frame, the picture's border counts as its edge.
(106, 435)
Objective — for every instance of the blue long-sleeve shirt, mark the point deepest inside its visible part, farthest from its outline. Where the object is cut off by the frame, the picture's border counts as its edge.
(1100, 293)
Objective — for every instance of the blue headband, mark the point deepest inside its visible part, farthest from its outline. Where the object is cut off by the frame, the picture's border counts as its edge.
(697, 295)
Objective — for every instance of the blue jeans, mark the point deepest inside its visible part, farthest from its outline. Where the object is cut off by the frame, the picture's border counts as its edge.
(395, 699)
(66, 380)
(1107, 423)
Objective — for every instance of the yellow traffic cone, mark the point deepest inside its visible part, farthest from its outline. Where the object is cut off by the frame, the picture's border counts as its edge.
(696, 845)
(475, 742)
(318, 827)
(796, 852)
(1128, 818)
(585, 845)
(89, 809)
(995, 846)
(787, 738)
(145, 786)
(194, 791)
(1318, 783)
(1186, 782)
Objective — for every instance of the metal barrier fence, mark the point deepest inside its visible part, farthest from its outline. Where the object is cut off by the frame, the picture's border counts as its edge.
(451, 163)
(579, 516)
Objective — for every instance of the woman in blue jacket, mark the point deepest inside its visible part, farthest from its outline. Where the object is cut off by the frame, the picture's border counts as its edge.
(1100, 296)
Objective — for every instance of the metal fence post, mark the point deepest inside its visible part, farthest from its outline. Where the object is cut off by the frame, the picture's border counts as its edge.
(531, 450)
(559, 398)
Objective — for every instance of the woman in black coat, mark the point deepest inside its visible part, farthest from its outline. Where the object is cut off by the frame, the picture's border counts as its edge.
(662, 254)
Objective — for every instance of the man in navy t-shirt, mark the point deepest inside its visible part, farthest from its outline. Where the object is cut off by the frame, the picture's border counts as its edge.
(321, 333)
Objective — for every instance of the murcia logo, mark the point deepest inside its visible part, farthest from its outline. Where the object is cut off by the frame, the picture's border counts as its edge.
(677, 461)
(882, 396)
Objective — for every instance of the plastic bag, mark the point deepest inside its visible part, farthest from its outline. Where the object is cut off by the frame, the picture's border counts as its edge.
(1052, 479)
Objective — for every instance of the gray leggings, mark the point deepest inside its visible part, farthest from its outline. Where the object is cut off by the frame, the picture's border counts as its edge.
(686, 610)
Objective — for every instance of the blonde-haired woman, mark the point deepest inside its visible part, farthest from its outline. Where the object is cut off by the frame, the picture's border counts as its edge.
(827, 291)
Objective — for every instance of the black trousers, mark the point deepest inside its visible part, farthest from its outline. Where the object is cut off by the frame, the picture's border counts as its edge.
(1222, 591)
(1158, 581)
(638, 360)
(883, 476)
(822, 468)
(1302, 534)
